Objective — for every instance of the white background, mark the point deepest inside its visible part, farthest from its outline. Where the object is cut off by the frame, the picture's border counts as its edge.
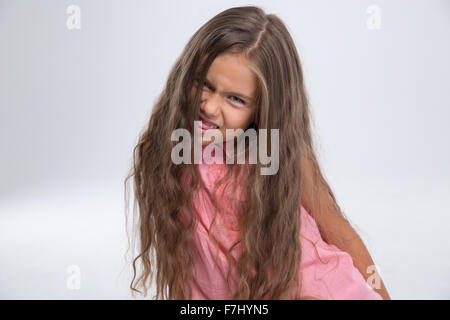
(72, 103)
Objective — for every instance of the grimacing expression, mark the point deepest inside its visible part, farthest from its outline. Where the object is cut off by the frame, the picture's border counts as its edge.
(227, 97)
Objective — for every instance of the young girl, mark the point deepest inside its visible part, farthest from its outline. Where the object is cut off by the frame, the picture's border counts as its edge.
(224, 230)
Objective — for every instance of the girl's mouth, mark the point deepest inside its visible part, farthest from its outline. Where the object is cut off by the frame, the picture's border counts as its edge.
(207, 124)
(204, 127)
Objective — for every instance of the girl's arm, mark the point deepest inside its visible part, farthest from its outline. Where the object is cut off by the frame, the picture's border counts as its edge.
(333, 226)
(353, 244)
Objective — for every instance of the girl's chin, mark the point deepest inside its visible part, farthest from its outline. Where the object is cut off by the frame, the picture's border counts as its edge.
(208, 137)
(209, 140)
(206, 142)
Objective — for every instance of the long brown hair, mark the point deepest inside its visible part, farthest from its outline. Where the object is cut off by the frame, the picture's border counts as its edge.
(271, 223)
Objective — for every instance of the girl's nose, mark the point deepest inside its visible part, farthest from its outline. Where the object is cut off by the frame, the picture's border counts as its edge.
(211, 106)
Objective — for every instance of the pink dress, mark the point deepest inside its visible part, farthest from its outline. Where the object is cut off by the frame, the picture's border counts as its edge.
(333, 276)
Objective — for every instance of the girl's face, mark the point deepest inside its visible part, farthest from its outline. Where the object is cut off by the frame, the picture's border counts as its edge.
(227, 98)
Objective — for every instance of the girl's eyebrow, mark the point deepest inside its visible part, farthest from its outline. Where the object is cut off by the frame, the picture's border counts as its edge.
(231, 92)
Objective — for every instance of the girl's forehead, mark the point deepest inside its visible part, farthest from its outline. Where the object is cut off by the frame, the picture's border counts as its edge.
(232, 73)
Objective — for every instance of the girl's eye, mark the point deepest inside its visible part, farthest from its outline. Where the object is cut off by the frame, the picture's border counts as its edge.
(205, 84)
(238, 100)
(234, 98)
